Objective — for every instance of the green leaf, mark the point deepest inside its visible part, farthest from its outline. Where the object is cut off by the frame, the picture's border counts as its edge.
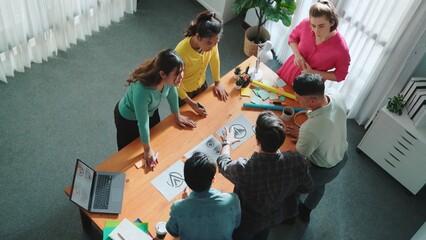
(396, 104)
(274, 10)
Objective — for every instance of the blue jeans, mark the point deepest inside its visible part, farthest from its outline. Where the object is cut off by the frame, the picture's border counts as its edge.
(321, 176)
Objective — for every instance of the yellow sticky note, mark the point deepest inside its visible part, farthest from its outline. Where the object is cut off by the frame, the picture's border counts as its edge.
(245, 92)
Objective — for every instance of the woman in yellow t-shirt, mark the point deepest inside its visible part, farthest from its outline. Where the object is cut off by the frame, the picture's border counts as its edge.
(199, 49)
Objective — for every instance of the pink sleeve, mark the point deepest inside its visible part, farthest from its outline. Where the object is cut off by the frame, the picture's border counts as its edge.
(297, 32)
(342, 65)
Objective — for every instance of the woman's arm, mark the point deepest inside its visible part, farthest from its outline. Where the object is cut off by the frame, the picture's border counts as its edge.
(219, 90)
(324, 74)
(149, 155)
(172, 98)
(140, 102)
(299, 60)
(199, 110)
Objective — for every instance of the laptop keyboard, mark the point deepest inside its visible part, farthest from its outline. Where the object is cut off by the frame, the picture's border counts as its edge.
(103, 188)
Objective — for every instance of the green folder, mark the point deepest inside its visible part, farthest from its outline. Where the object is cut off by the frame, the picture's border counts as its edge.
(111, 224)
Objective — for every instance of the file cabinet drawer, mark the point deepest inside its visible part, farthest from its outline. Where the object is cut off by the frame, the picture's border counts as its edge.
(399, 148)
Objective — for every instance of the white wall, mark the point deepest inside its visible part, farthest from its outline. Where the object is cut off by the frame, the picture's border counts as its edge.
(221, 7)
(421, 69)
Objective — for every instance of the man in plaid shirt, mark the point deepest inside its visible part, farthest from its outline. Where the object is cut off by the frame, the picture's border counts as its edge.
(269, 182)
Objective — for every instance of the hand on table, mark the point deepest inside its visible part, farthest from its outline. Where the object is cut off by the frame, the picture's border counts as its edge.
(184, 121)
(151, 158)
(220, 92)
(293, 132)
(199, 109)
(185, 193)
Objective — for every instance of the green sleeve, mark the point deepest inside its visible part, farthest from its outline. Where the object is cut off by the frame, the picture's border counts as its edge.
(172, 98)
(141, 99)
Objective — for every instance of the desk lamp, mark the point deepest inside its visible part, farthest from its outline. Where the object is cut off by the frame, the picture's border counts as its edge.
(264, 54)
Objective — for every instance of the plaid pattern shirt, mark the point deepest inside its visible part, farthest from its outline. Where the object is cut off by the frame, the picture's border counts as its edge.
(268, 186)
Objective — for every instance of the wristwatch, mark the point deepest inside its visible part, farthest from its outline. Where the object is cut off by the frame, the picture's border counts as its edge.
(225, 142)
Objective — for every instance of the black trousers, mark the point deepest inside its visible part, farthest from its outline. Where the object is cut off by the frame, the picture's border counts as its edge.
(128, 130)
(194, 93)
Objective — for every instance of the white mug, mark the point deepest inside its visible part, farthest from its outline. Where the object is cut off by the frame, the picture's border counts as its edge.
(287, 114)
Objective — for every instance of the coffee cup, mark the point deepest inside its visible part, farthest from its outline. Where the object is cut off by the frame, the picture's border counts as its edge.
(287, 114)
(160, 229)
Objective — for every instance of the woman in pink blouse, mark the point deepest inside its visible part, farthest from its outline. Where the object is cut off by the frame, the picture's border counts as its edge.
(317, 46)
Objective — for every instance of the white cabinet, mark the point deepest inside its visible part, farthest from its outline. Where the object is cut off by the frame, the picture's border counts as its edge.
(220, 7)
(398, 147)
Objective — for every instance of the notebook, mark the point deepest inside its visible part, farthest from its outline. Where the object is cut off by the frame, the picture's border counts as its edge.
(127, 230)
(95, 191)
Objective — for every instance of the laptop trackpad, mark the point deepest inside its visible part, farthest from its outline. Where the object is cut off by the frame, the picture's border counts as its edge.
(116, 194)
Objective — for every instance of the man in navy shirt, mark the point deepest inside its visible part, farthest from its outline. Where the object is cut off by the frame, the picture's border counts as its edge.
(206, 213)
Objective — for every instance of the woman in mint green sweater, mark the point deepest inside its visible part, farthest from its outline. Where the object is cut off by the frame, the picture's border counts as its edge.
(137, 111)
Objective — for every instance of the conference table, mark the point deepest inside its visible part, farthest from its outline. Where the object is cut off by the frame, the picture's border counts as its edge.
(141, 199)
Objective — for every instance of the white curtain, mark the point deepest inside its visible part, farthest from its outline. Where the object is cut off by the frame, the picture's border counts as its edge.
(375, 31)
(33, 30)
(279, 32)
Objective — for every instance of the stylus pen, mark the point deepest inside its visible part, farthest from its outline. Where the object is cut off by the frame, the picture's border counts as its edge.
(199, 105)
(120, 236)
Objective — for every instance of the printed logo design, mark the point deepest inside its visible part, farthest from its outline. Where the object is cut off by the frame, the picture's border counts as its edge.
(175, 179)
(239, 131)
(210, 143)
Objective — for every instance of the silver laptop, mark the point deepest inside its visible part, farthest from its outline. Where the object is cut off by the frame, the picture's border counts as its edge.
(97, 192)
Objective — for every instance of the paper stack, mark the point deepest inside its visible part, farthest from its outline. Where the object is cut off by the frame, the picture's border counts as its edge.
(125, 229)
(414, 94)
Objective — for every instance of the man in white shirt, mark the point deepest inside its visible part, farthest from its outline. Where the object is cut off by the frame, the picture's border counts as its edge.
(322, 138)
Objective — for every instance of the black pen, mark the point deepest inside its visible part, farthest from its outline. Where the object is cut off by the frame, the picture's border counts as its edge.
(247, 69)
(199, 105)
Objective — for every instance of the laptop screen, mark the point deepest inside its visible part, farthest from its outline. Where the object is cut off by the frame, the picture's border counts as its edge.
(82, 184)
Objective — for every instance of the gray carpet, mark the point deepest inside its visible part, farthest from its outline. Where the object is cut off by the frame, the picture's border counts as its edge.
(62, 109)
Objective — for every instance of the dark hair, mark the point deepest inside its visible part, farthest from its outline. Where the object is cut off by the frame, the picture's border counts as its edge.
(309, 84)
(148, 74)
(270, 131)
(326, 9)
(199, 171)
(206, 24)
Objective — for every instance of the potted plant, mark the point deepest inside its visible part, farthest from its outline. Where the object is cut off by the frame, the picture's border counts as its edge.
(239, 83)
(396, 104)
(237, 72)
(274, 10)
(245, 77)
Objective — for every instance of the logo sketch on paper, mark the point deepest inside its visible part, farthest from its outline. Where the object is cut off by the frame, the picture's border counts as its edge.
(239, 131)
(210, 144)
(175, 179)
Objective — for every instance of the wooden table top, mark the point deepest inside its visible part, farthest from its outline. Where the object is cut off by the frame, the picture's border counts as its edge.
(141, 199)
